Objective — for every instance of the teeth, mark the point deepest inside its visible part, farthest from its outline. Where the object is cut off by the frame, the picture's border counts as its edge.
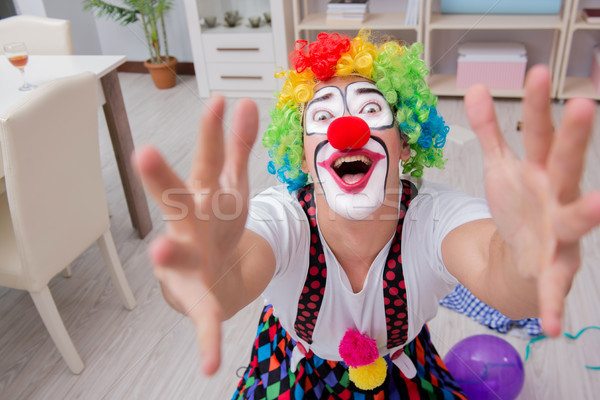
(341, 160)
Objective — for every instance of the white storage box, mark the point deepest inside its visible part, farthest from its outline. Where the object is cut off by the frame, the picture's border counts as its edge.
(497, 65)
(595, 73)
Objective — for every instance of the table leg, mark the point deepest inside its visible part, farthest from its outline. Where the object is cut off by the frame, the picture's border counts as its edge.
(120, 135)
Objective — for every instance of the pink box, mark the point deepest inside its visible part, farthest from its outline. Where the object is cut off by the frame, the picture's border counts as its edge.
(595, 73)
(496, 65)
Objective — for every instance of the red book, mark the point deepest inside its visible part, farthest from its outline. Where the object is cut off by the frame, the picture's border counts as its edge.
(591, 15)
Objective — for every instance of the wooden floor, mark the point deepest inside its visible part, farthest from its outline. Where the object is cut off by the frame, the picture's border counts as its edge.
(151, 353)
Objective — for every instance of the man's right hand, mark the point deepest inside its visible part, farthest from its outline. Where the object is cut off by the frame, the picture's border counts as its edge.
(205, 221)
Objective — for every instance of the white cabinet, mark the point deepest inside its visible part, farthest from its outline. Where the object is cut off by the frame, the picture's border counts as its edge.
(386, 17)
(543, 35)
(577, 61)
(239, 61)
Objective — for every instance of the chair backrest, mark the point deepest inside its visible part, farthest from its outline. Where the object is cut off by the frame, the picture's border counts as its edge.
(53, 175)
(41, 35)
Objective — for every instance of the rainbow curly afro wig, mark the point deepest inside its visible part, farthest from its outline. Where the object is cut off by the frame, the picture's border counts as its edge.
(396, 70)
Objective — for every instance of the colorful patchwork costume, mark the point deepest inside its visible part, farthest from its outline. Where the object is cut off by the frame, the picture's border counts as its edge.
(317, 337)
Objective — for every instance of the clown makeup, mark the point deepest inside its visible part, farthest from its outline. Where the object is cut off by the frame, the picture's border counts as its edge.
(354, 178)
(361, 99)
(327, 105)
(364, 100)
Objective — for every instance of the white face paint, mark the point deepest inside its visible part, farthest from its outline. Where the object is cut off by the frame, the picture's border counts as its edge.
(364, 100)
(327, 105)
(354, 196)
(353, 180)
(361, 99)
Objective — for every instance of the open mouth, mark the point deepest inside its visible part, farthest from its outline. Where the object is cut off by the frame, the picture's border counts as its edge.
(352, 169)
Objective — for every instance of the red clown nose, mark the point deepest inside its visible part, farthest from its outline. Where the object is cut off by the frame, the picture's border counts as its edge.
(348, 133)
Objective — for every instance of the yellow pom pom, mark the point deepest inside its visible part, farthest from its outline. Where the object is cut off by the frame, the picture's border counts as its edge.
(369, 377)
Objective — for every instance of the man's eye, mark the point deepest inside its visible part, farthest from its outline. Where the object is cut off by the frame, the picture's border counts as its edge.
(322, 115)
(370, 108)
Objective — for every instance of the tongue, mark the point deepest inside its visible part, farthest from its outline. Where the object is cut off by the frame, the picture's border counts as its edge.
(352, 178)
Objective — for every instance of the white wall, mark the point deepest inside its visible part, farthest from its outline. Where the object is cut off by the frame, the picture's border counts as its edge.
(92, 35)
(31, 7)
(83, 24)
(130, 40)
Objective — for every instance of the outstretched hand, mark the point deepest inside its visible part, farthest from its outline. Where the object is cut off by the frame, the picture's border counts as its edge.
(205, 219)
(535, 201)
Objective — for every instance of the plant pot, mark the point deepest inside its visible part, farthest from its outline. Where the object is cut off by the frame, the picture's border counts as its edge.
(163, 74)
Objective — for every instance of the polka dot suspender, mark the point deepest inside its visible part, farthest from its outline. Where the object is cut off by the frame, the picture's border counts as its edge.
(314, 286)
(394, 288)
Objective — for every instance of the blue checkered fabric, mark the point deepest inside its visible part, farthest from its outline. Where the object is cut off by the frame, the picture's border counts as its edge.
(463, 301)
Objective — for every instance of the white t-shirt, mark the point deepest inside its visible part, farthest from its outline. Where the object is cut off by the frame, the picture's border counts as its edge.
(277, 216)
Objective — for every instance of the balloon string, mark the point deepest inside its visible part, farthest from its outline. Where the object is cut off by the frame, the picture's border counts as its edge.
(568, 335)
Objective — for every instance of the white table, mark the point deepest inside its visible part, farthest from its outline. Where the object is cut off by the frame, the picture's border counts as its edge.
(41, 69)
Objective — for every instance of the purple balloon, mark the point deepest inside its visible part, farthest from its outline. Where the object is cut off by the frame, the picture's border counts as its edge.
(486, 367)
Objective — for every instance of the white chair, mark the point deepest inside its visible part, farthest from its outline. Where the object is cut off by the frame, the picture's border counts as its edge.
(41, 35)
(55, 204)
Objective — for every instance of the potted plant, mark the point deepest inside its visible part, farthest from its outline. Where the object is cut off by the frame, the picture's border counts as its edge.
(151, 14)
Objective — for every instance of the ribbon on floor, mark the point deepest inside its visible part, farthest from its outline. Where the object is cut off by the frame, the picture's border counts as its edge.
(569, 336)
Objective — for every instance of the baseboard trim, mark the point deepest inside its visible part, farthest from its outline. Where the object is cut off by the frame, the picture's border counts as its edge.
(183, 68)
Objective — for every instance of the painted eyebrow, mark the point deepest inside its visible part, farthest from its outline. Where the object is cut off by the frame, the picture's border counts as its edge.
(324, 97)
(365, 90)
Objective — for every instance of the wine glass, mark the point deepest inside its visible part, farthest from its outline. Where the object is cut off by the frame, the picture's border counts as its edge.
(18, 56)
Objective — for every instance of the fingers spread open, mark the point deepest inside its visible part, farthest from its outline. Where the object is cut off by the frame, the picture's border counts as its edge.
(189, 295)
(206, 317)
(554, 283)
(482, 117)
(242, 135)
(208, 161)
(567, 156)
(538, 128)
(578, 218)
(171, 253)
(163, 184)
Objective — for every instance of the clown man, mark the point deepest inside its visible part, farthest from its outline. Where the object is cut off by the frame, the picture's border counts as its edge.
(351, 257)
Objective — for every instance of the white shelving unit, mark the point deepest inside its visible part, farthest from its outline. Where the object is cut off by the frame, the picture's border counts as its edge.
(311, 16)
(574, 78)
(543, 35)
(239, 61)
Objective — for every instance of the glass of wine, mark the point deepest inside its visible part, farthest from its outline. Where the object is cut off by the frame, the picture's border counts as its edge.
(18, 56)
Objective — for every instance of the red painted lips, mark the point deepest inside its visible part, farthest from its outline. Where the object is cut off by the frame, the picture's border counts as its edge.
(351, 169)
